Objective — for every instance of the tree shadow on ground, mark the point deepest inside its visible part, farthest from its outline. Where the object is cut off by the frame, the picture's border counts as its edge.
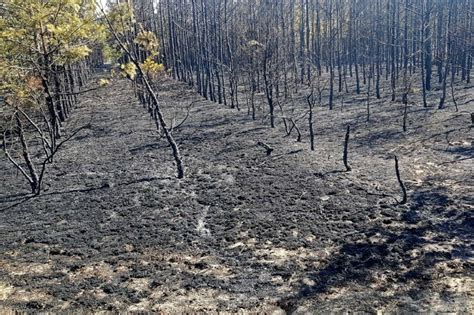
(13, 197)
(458, 151)
(392, 253)
(14, 200)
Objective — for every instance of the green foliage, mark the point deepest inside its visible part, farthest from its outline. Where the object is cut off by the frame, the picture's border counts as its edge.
(150, 66)
(121, 18)
(103, 82)
(62, 28)
(129, 70)
(121, 23)
(147, 41)
(18, 85)
(254, 44)
(37, 35)
(111, 54)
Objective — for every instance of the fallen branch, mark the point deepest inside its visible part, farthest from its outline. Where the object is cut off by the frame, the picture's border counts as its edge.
(266, 147)
(279, 156)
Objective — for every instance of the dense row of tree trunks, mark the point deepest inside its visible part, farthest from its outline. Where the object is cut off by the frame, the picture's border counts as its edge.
(277, 46)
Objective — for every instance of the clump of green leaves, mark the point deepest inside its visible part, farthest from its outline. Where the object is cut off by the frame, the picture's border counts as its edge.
(147, 41)
(152, 67)
(36, 35)
(129, 70)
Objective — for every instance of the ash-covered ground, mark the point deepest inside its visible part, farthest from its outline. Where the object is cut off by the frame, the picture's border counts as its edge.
(292, 232)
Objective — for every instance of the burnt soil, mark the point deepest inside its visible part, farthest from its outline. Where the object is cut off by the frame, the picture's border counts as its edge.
(290, 232)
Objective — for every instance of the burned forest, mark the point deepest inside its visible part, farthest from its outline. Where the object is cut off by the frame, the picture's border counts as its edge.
(236, 156)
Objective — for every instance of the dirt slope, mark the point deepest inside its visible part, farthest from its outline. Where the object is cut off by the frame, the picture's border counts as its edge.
(287, 233)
